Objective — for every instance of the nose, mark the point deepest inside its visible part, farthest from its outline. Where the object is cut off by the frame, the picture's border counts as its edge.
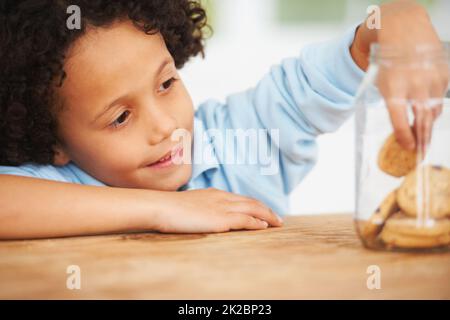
(159, 124)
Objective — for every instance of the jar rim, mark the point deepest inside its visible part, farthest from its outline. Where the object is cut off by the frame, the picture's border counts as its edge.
(419, 52)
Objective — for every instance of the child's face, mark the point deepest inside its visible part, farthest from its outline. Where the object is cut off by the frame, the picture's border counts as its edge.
(121, 107)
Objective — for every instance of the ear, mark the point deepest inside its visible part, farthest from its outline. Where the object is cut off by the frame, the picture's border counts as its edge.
(61, 157)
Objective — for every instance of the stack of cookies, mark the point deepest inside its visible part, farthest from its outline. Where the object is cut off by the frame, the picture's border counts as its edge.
(417, 214)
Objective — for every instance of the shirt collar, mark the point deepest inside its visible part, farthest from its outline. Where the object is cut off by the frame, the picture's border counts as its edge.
(83, 176)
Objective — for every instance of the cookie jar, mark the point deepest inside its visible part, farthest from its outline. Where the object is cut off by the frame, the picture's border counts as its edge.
(402, 197)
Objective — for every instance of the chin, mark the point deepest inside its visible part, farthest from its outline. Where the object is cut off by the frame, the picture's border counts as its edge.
(176, 180)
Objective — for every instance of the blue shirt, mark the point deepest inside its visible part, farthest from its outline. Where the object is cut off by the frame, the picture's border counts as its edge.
(294, 102)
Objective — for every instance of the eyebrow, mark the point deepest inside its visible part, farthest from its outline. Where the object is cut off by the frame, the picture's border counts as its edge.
(110, 105)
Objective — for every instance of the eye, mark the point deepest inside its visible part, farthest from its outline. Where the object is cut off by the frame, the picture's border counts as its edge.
(166, 84)
(121, 119)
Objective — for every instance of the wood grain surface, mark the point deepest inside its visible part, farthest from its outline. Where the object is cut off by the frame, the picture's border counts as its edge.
(309, 257)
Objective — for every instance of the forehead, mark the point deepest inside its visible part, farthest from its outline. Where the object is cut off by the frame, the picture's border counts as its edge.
(104, 60)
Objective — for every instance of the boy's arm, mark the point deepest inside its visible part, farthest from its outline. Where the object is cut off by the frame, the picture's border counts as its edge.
(313, 94)
(39, 208)
(293, 103)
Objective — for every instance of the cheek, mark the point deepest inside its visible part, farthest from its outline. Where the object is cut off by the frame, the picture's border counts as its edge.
(124, 152)
(107, 155)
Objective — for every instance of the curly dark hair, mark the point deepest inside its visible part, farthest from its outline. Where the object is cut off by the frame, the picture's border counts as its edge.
(33, 43)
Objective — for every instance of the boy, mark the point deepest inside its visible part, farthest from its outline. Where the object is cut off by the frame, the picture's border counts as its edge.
(90, 117)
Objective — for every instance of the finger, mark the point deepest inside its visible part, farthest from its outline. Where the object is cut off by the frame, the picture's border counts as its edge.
(248, 205)
(258, 210)
(438, 89)
(273, 218)
(437, 111)
(423, 125)
(419, 94)
(427, 128)
(393, 87)
(240, 221)
(419, 116)
(398, 112)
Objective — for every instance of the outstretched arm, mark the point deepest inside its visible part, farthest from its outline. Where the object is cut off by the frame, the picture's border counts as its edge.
(38, 208)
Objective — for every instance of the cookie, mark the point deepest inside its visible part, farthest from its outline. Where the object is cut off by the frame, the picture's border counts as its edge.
(373, 226)
(406, 225)
(402, 231)
(396, 240)
(436, 200)
(394, 160)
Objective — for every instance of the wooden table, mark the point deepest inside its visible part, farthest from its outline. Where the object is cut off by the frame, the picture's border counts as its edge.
(310, 257)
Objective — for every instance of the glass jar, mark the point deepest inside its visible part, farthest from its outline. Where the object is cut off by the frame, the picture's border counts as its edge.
(402, 197)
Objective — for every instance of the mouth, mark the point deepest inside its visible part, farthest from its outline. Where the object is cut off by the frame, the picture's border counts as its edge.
(166, 160)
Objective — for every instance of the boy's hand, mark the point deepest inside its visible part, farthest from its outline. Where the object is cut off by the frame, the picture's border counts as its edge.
(406, 26)
(212, 210)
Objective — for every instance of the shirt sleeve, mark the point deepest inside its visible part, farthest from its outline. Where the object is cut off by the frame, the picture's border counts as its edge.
(295, 102)
(47, 172)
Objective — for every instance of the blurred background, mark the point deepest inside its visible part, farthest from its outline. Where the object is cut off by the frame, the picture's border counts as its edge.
(252, 35)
